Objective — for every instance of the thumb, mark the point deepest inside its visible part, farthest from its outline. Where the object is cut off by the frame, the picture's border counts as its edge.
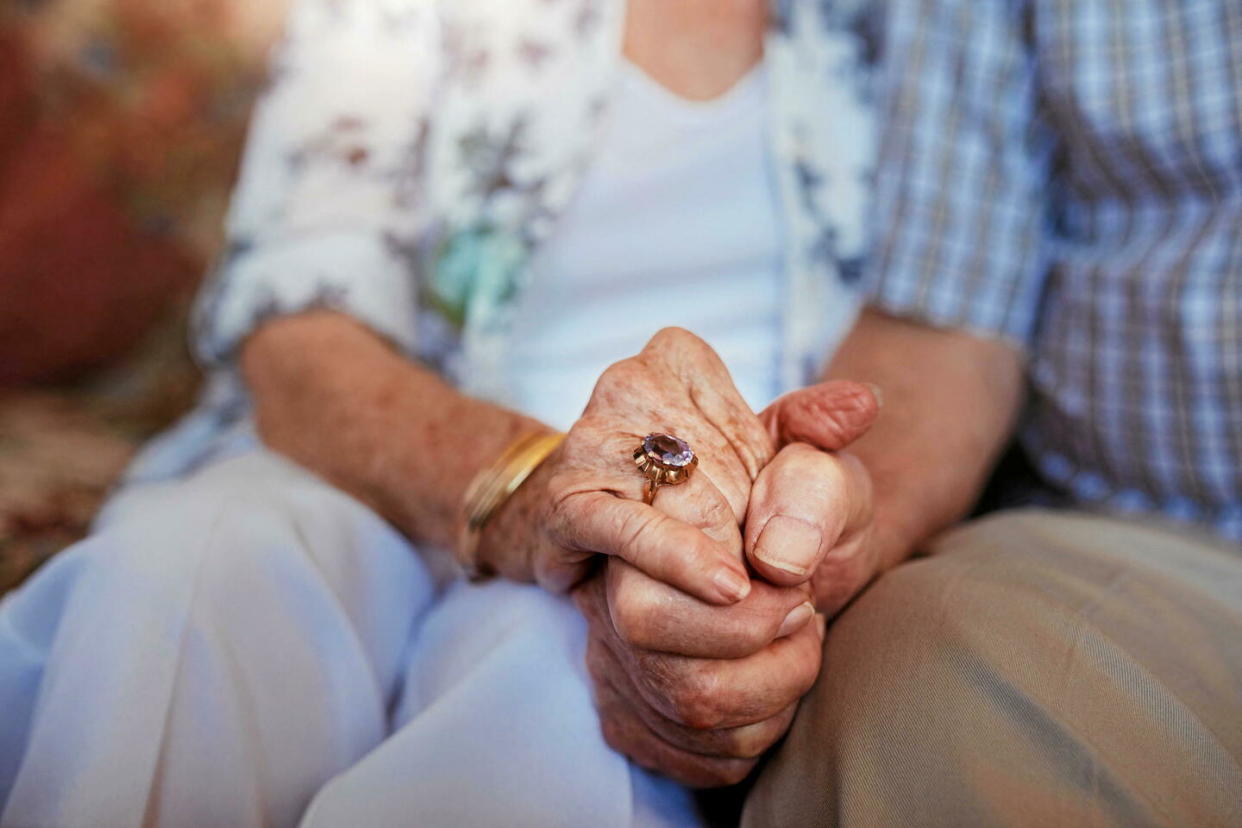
(828, 415)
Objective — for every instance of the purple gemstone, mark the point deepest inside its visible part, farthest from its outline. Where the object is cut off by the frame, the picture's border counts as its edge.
(668, 450)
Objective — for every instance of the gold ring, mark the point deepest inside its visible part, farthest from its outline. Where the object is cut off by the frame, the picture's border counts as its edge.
(664, 460)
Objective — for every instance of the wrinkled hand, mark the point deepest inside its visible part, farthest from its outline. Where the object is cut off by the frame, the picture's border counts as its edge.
(700, 692)
(694, 691)
(586, 498)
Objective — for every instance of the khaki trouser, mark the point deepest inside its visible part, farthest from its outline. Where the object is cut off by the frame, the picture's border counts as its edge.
(1036, 669)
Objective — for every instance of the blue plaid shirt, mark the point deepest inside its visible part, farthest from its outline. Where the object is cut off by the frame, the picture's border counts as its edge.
(1067, 175)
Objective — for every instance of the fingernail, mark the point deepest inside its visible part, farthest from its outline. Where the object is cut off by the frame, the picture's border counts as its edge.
(821, 624)
(796, 620)
(732, 585)
(788, 544)
(877, 392)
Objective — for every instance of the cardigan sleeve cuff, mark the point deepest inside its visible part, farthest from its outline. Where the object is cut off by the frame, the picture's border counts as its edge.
(367, 276)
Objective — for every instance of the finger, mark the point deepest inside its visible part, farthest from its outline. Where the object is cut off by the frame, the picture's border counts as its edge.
(804, 503)
(651, 615)
(622, 727)
(668, 550)
(719, 466)
(745, 742)
(706, 694)
(829, 415)
(625, 732)
(699, 502)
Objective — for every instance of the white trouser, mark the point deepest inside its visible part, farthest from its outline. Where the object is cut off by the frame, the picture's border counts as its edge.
(250, 646)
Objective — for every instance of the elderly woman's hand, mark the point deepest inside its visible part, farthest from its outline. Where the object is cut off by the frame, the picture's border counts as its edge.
(586, 498)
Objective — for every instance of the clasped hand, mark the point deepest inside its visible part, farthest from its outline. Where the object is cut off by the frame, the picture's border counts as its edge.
(706, 609)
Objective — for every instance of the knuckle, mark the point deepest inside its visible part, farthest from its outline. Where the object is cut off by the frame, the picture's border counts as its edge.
(818, 462)
(801, 453)
(619, 382)
(674, 336)
(678, 345)
(694, 701)
(818, 472)
(618, 372)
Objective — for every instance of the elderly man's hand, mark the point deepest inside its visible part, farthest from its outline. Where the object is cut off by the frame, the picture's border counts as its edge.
(699, 692)
(810, 513)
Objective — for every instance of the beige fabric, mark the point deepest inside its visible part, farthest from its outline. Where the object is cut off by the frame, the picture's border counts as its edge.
(1038, 669)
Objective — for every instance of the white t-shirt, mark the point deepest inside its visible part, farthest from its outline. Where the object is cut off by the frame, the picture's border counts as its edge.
(677, 222)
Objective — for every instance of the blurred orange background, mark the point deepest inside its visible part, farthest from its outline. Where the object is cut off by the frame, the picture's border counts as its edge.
(121, 122)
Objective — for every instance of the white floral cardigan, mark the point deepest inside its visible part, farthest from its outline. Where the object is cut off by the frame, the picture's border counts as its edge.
(410, 155)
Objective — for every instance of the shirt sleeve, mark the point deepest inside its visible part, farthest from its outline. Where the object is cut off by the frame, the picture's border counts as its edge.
(329, 205)
(961, 209)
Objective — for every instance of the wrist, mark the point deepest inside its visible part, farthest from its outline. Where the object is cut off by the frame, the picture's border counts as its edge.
(433, 467)
(502, 506)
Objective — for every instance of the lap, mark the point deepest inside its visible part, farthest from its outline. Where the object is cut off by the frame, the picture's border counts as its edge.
(250, 601)
(204, 621)
(256, 539)
(1036, 668)
(496, 725)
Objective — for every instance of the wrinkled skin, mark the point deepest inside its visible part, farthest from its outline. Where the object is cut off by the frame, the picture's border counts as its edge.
(694, 678)
(586, 498)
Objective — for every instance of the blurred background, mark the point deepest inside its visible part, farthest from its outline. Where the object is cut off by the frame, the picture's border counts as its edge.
(121, 123)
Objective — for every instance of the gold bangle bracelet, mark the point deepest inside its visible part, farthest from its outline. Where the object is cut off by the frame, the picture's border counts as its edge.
(491, 487)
